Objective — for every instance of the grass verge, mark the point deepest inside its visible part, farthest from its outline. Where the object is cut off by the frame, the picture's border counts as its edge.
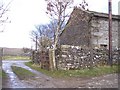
(3, 74)
(22, 73)
(98, 71)
(4, 79)
(16, 58)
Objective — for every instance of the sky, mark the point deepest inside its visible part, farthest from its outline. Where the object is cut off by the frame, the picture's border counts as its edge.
(25, 14)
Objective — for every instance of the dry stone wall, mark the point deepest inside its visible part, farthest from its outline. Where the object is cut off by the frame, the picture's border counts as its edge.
(74, 57)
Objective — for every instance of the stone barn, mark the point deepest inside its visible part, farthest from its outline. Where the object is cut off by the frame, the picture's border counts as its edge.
(87, 27)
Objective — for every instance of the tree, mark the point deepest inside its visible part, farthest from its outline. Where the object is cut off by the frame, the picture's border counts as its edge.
(57, 9)
(26, 50)
(84, 5)
(3, 11)
(45, 35)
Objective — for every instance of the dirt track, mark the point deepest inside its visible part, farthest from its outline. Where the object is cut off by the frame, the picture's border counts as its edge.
(43, 81)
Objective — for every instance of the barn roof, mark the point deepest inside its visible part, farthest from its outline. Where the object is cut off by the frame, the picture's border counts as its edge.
(94, 14)
(99, 14)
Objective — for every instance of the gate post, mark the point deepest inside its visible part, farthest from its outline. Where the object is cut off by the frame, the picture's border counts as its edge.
(51, 57)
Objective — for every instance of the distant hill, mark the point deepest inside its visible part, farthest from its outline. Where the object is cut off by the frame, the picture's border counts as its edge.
(12, 51)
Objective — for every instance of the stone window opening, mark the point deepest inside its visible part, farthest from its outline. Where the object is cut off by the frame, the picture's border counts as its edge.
(103, 45)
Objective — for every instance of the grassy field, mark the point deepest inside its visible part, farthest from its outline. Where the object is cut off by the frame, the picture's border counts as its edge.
(98, 71)
(22, 73)
(16, 58)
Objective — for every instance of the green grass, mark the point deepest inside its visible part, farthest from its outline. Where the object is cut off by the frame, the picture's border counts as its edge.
(4, 78)
(16, 58)
(3, 74)
(98, 71)
(22, 73)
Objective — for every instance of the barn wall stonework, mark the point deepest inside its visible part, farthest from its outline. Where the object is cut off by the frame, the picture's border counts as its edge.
(99, 30)
(77, 29)
(86, 27)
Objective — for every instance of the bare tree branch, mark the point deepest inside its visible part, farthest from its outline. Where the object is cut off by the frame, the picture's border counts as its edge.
(45, 34)
(57, 10)
(3, 10)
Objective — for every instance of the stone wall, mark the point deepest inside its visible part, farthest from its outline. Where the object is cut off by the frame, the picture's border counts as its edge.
(35, 57)
(75, 57)
(41, 58)
(77, 29)
(99, 30)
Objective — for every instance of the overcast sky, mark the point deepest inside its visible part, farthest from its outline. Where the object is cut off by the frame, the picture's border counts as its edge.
(24, 14)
